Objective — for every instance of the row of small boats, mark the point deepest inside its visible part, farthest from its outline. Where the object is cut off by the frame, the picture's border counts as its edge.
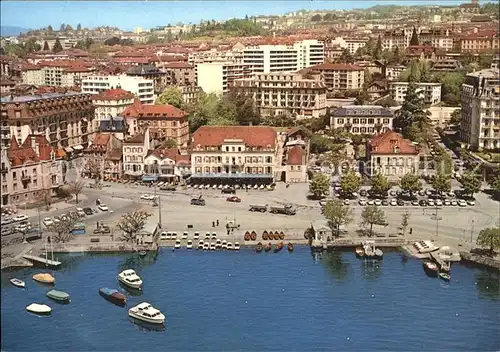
(368, 251)
(210, 246)
(432, 270)
(260, 247)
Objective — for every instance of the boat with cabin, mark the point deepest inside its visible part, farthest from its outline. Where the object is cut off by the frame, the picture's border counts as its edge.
(146, 312)
(430, 268)
(259, 247)
(236, 246)
(290, 247)
(360, 252)
(189, 244)
(268, 247)
(130, 278)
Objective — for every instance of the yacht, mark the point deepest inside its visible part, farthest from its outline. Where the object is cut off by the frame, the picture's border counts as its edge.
(224, 244)
(236, 246)
(218, 244)
(189, 244)
(212, 246)
(177, 244)
(146, 312)
(229, 246)
(200, 244)
(130, 278)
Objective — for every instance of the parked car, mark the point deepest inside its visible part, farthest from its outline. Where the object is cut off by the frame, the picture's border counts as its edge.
(20, 217)
(48, 222)
(362, 202)
(394, 202)
(88, 211)
(24, 226)
(6, 220)
(377, 202)
(422, 203)
(147, 197)
(346, 202)
(198, 201)
(439, 202)
(7, 231)
(471, 203)
(103, 207)
(228, 190)
(234, 199)
(414, 203)
(80, 212)
(363, 193)
(401, 203)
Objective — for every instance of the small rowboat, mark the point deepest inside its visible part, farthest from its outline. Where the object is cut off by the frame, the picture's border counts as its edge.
(44, 278)
(290, 247)
(39, 309)
(268, 247)
(360, 252)
(278, 247)
(259, 247)
(58, 295)
(17, 282)
(445, 276)
(113, 295)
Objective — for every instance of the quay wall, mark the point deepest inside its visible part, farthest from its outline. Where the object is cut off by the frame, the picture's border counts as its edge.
(480, 260)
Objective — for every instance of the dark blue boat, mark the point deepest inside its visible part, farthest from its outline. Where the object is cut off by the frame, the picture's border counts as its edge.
(113, 295)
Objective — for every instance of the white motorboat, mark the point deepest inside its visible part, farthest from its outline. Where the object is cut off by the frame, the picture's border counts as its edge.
(189, 244)
(39, 308)
(218, 244)
(146, 312)
(200, 245)
(130, 278)
(236, 246)
(206, 246)
(229, 246)
(17, 282)
(212, 246)
(177, 244)
(196, 235)
(224, 244)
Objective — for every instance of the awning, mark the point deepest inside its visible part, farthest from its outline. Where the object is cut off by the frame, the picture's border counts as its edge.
(68, 149)
(149, 177)
(232, 176)
(78, 147)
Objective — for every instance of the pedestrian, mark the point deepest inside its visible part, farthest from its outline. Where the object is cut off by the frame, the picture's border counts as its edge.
(213, 224)
(411, 230)
(228, 232)
(217, 222)
(97, 224)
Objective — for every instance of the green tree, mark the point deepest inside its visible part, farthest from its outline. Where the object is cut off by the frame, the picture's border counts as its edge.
(410, 183)
(350, 183)
(319, 144)
(405, 219)
(246, 111)
(205, 111)
(380, 185)
(441, 183)
(372, 215)
(62, 28)
(455, 117)
(316, 18)
(470, 184)
(414, 37)
(412, 116)
(50, 29)
(57, 46)
(370, 46)
(169, 143)
(489, 237)
(494, 183)
(451, 84)
(45, 46)
(397, 57)
(319, 186)
(377, 54)
(337, 215)
(346, 57)
(171, 96)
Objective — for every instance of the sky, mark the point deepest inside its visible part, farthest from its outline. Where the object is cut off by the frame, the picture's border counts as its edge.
(146, 14)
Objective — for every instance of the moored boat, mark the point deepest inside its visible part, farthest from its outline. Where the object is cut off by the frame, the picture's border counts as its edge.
(430, 268)
(259, 247)
(224, 244)
(229, 246)
(278, 247)
(445, 276)
(142, 253)
(37, 308)
(146, 312)
(379, 254)
(44, 278)
(290, 247)
(130, 278)
(236, 246)
(17, 282)
(200, 244)
(189, 244)
(268, 247)
(360, 252)
(113, 295)
(58, 295)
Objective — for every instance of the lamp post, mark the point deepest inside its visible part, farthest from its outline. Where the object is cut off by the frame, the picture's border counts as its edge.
(471, 232)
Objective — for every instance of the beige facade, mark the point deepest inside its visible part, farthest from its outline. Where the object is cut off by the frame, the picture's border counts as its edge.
(362, 119)
(429, 92)
(217, 77)
(285, 93)
(143, 88)
(134, 151)
(58, 76)
(480, 100)
(341, 76)
(110, 103)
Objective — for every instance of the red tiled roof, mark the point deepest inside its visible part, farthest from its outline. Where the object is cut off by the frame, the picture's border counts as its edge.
(100, 143)
(391, 142)
(177, 65)
(43, 145)
(163, 153)
(19, 155)
(346, 67)
(295, 156)
(137, 139)
(146, 112)
(113, 94)
(252, 136)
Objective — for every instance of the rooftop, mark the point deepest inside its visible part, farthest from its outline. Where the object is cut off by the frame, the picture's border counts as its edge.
(30, 98)
(252, 136)
(113, 94)
(391, 142)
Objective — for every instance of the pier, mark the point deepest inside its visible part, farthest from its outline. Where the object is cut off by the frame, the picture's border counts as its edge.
(40, 260)
(355, 242)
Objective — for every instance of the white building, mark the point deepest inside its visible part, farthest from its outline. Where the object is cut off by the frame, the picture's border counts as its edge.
(140, 87)
(480, 99)
(351, 44)
(311, 52)
(429, 92)
(111, 103)
(362, 119)
(217, 77)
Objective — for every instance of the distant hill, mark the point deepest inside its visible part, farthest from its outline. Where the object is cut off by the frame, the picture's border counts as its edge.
(9, 31)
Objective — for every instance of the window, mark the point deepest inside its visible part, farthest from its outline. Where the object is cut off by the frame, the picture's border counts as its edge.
(239, 149)
(340, 121)
(14, 176)
(386, 121)
(233, 149)
(371, 121)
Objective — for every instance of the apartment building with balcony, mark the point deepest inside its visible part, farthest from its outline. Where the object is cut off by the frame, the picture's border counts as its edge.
(362, 119)
(480, 42)
(234, 154)
(31, 171)
(396, 38)
(110, 103)
(341, 76)
(440, 38)
(285, 93)
(480, 101)
(161, 79)
(134, 150)
(429, 92)
(218, 77)
(141, 87)
(163, 122)
(66, 120)
(350, 44)
(392, 156)
(180, 74)
(55, 73)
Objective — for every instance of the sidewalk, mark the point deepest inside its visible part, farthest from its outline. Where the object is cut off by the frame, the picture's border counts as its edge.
(59, 206)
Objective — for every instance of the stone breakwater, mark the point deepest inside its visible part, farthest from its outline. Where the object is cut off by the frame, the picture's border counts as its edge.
(480, 260)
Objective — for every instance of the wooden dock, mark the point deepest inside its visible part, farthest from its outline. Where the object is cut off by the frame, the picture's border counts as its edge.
(40, 260)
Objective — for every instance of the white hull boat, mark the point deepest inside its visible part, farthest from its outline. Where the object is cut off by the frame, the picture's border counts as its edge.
(38, 308)
(229, 246)
(146, 312)
(189, 245)
(177, 244)
(18, 283)
(236, 246)
(212, 246)
(130, 278)
(200, 245)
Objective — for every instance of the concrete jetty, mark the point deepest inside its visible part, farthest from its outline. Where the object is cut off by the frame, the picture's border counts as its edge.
(44, 261)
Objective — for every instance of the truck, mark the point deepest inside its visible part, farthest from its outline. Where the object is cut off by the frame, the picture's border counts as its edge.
(198, 201)
(261, 208)
(284, 209)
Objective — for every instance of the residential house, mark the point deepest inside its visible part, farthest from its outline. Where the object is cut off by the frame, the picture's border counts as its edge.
(362, 119)
(341, 76)
(107, 150)
(166, 165)
(116, 126)
(134, 150)
(110, 103)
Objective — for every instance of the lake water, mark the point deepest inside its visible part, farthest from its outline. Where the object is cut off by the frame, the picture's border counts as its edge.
(247, 301)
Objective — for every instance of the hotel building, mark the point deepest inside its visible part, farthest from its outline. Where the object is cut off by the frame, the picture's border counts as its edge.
(362, 119)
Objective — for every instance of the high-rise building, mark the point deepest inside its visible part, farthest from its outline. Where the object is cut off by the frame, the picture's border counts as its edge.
(218, 77)
(141, 87)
